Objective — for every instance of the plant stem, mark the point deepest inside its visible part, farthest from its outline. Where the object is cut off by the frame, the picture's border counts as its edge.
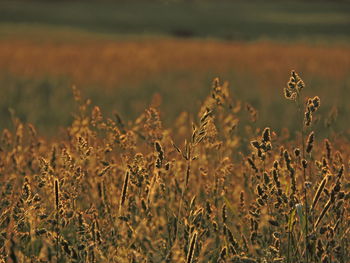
(300, 116)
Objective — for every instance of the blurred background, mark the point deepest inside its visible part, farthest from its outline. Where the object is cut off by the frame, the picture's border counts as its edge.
(121, 53)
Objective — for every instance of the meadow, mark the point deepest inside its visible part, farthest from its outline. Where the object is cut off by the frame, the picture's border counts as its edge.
(116, 191)
(174, 131)
(124, 75)
(124, 53)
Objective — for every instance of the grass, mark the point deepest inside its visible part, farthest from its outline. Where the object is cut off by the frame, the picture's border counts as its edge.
(118, 190)
(147, 159)
(124, 75)
(121, 53)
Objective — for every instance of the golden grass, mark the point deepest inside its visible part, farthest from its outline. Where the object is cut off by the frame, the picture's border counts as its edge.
(110, 190)
(110, 62)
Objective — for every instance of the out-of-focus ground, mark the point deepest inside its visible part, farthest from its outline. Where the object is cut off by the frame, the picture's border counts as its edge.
(121, 54)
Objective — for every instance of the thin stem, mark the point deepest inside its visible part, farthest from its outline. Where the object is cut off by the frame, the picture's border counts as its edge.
(289, 236)
(184, 188)
(306, 218)
(300, 116)
(57, 219)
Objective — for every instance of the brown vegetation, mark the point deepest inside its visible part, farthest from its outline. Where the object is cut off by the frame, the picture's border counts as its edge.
(111, 62)
(116, 191)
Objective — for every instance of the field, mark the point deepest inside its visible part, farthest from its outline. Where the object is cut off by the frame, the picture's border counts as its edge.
(118, 143)
(124, 76)
(230, 20)
(121, 61)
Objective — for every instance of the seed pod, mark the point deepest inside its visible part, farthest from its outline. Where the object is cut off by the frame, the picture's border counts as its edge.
(273, 222)
(266, 135)
(125, 188)
(341, 171)
(318, 193)
(297, 152)
(266, 178)
(308, 117)
(259, 190)
(41, 231)
(252, 164)
(310, 142)
(304, 163)
(328, 148)
(224, 213)
(56, 194)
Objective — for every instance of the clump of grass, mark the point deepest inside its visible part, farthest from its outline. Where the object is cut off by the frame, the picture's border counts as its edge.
(111, 190)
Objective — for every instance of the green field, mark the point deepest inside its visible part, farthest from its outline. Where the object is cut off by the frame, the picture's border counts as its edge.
(230, 20)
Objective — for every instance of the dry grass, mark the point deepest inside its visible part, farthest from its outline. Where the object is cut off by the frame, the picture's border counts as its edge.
(117, 191)
(128, 72)
(111, 62)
